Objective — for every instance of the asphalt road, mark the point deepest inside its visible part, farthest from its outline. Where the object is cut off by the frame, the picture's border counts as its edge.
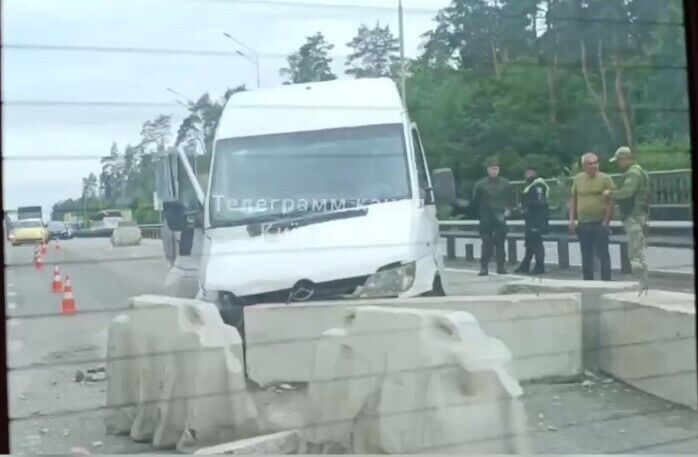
(52, 413)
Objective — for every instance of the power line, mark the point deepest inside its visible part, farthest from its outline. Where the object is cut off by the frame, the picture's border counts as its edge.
(141, 50)
(423, 10)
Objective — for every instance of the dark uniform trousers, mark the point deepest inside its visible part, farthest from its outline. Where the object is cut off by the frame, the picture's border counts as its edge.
(493, 232)
(593, 242)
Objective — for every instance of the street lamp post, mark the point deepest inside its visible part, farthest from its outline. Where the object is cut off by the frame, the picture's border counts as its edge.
(179, 95)
(253, 56)
(403, 69)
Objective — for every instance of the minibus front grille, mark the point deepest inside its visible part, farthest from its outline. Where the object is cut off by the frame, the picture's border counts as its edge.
(330, 290)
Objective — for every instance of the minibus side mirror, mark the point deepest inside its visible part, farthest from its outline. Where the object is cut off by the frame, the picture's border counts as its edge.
(444, 185)
(175, 215)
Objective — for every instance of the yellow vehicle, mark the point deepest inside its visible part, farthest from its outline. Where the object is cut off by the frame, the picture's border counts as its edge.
(28, 231)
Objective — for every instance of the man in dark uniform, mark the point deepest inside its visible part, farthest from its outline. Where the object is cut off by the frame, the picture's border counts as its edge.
(491, 196)
(534, 200)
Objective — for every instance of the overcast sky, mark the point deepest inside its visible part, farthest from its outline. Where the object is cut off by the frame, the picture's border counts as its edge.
(48, 148)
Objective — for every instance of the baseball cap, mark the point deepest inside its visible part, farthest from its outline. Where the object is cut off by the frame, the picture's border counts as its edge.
(492, 161)
(623, 151)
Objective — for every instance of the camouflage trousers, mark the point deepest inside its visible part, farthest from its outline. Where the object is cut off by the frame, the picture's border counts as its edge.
(636, 229)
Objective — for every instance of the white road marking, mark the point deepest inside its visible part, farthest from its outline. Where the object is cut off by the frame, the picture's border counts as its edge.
(11, 293)
(13, 322)
(10, 284)
(12, 305)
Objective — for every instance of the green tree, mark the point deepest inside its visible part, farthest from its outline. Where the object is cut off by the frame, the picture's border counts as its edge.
(375, 53)
(311, 63)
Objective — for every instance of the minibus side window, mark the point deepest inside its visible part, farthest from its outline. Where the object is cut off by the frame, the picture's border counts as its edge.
(422, 175)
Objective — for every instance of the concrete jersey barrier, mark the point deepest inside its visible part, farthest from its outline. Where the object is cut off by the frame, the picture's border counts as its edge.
(399, 381)
(543, 333)
(591, 293)
(175, 376)
(649, 342)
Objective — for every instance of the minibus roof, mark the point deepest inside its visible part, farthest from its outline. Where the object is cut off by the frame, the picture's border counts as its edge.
(312, 106)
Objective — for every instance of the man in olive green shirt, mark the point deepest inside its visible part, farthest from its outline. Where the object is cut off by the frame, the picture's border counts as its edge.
(633, 203)
(590, 216)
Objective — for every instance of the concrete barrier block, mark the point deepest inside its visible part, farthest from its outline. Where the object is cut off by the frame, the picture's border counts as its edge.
(590, 292)
(274, 444)
(126, 236)
(650, 342)
(397, 380)
(175, 376)
(544, 333)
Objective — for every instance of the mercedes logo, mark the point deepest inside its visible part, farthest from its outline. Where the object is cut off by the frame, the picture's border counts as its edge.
(302, 291)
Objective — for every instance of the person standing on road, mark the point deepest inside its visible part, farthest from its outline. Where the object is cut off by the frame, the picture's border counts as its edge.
(590, 216)
(535, 204)
(491, 197)
(633, 203)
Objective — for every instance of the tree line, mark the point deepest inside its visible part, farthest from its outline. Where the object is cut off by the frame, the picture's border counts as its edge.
(531, 81)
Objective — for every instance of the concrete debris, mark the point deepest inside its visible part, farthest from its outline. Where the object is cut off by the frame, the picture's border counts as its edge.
(621, 430)
(607, 380)
(66, 432)
(97, 444)
(552, 428)
(556, 397)
(54, 383)
(588, 383)
(36, 411)
(79, 376)
(540, 416)
(22, 397)
(96, 374)
(44, 431)
(286, 387)
(590, 374)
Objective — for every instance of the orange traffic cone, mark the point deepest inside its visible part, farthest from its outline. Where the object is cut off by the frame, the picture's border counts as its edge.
(57, 285)
(68, 306)
(44, 248)
(38, 262)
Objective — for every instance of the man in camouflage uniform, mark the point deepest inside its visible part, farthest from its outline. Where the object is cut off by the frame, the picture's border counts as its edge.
(491, 197)
(633, 202)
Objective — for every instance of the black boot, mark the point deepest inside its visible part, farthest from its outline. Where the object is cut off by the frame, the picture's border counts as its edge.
(525, 263)
(539, 269)
(501, 257)
(485, 255)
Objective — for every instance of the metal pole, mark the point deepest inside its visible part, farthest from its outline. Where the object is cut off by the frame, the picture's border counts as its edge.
(403, 76)
(255, 61)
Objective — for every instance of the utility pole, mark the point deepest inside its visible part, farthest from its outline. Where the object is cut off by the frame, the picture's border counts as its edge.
(403, 70)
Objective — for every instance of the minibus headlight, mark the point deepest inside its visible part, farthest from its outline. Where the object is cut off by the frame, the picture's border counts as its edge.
(390, 282)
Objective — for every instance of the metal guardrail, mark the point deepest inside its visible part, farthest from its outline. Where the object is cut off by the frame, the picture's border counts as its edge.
(669, 187)
(659, 228)
(151, 231)
(672, 229)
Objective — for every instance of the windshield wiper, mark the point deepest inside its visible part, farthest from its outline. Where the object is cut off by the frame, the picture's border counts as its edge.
(328, 208)
(302, 218)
